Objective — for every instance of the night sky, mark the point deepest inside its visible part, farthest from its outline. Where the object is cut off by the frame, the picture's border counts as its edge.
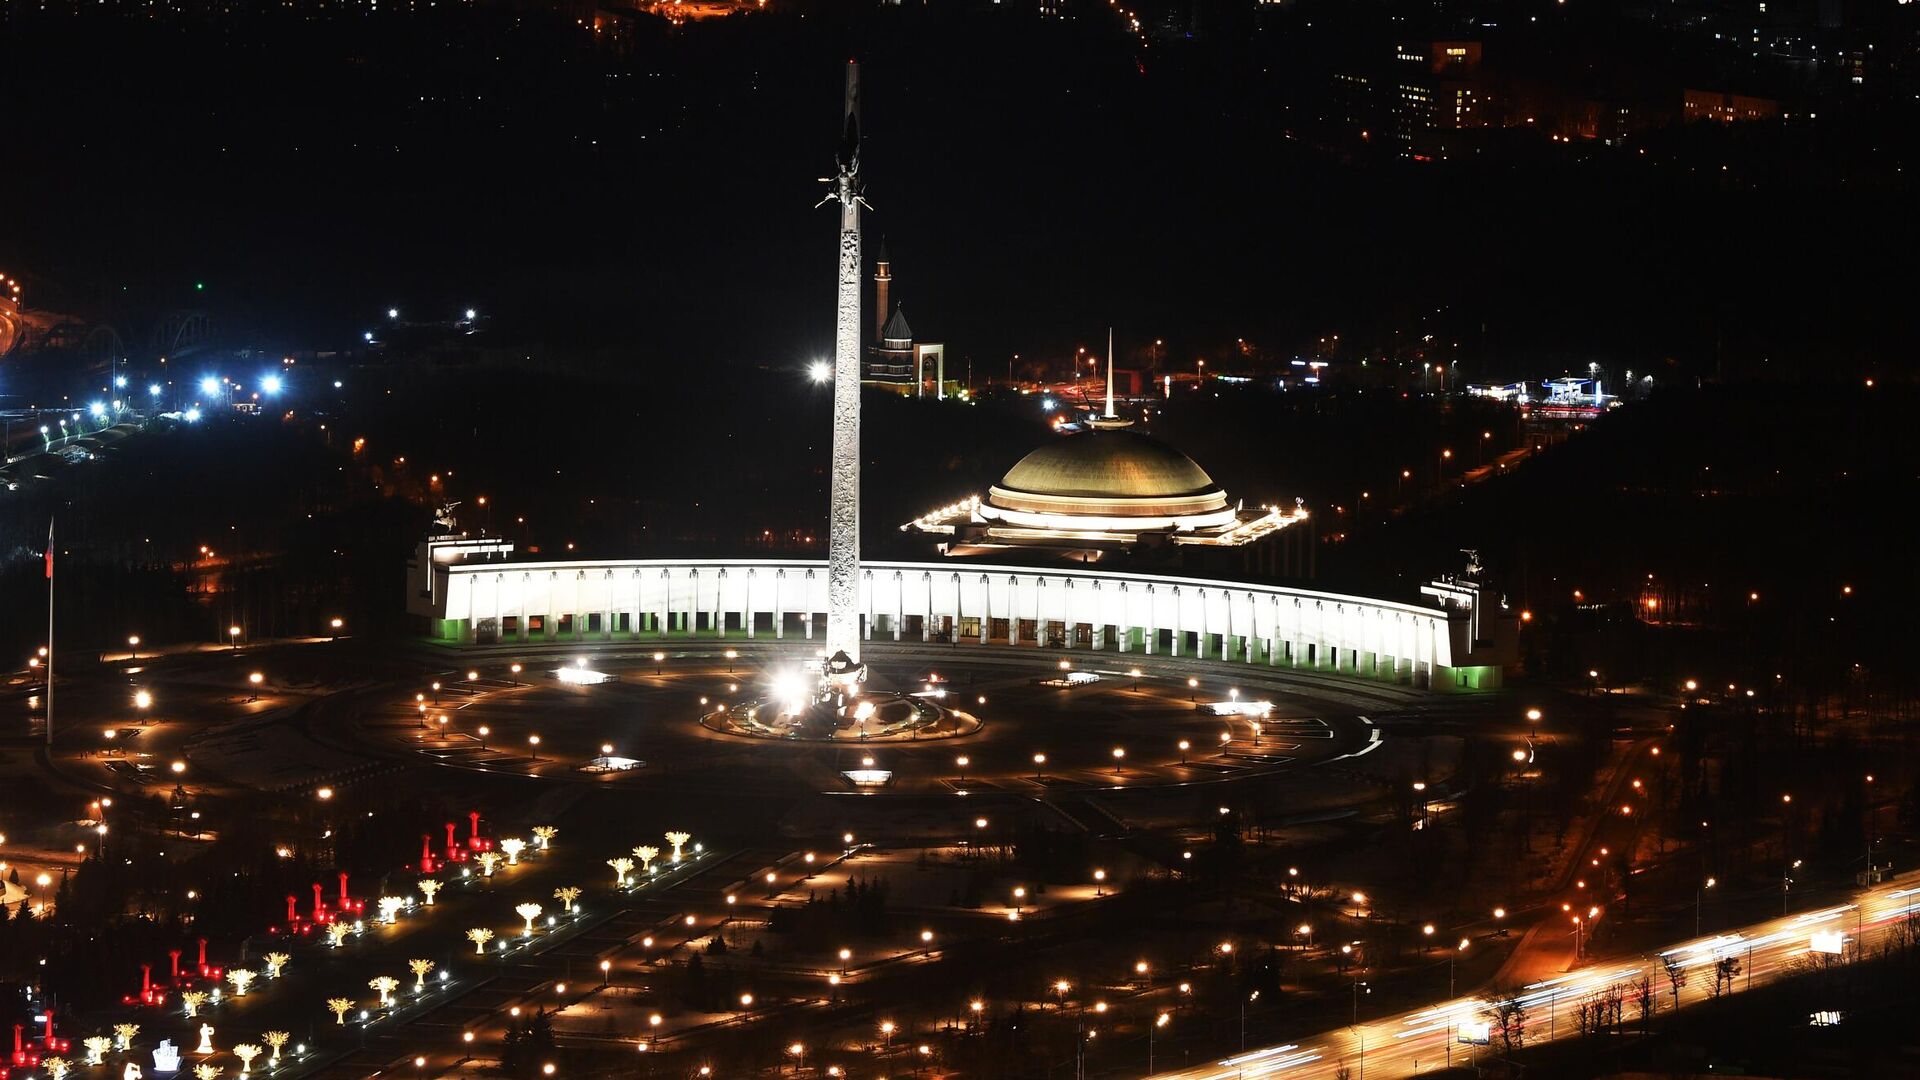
(645, 206)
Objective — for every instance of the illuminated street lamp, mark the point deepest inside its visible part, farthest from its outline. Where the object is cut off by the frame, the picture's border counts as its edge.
(534, 742)
(1184, 747)
(254, 680)
(233, 635)
(1159, 1022)
(1193, 689)
(731, 655)
(1039, 763)
(133, 647)
(962, 761)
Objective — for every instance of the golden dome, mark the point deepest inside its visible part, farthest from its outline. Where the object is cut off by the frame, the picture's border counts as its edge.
(1113, 473)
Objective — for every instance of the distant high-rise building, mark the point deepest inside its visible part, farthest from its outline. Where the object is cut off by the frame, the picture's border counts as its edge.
(1437, 89)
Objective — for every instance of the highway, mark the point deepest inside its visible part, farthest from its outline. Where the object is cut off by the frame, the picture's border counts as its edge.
(1417, 1041)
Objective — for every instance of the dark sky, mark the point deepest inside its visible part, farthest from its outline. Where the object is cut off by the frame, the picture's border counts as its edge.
(1035, 182)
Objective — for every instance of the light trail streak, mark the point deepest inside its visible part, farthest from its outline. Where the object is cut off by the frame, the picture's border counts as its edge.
(1421, 1040)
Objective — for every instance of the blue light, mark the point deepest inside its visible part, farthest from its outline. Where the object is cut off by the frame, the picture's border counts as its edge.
(153, 389)
(271, 384)
(97, 409)
(209, 386)
(193, 414)
(1046, 405)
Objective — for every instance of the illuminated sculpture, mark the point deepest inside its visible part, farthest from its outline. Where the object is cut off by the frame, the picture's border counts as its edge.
(543, 836)
(678, 840)
(57, 1067)
(340, 1007)
(166, 1057)
(480, 935)
(206, 1040)
(97, 1047)
(241, 979)
(131, 1072)
(513, 846)
(383, 985)
(488, 861)
(204, 1071)
(275, 961)
(646, 854)
(337, 932)
(246, 1052)
(193, 999)
(621, 867)
(123, 1036)
(274, 1040)
(528, 911)
(427, 888)
(390, 908)
(567, 894)
(419, 969)
(843, 505)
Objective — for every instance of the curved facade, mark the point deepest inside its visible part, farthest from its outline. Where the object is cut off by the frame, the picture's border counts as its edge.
(641, 600)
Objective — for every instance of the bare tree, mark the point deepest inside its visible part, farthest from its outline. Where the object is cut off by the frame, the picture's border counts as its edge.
(1725, 971)
(1508, 1017)
(1676, 978)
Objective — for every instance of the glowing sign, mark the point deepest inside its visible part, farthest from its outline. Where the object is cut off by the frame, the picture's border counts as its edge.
(1239, 708)
(869, 778)
(1833, 942)
(1473, 1032)
(580, 676)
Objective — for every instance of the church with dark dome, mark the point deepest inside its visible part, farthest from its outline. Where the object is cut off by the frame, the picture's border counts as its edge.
(1109, 490)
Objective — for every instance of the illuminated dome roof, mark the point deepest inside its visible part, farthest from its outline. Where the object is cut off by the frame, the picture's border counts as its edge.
(1114, 473)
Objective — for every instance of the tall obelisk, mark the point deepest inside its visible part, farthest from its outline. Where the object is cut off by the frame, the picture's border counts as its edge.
(843, 506)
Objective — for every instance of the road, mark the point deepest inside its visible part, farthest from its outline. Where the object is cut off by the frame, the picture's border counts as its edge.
(1418, 1040)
